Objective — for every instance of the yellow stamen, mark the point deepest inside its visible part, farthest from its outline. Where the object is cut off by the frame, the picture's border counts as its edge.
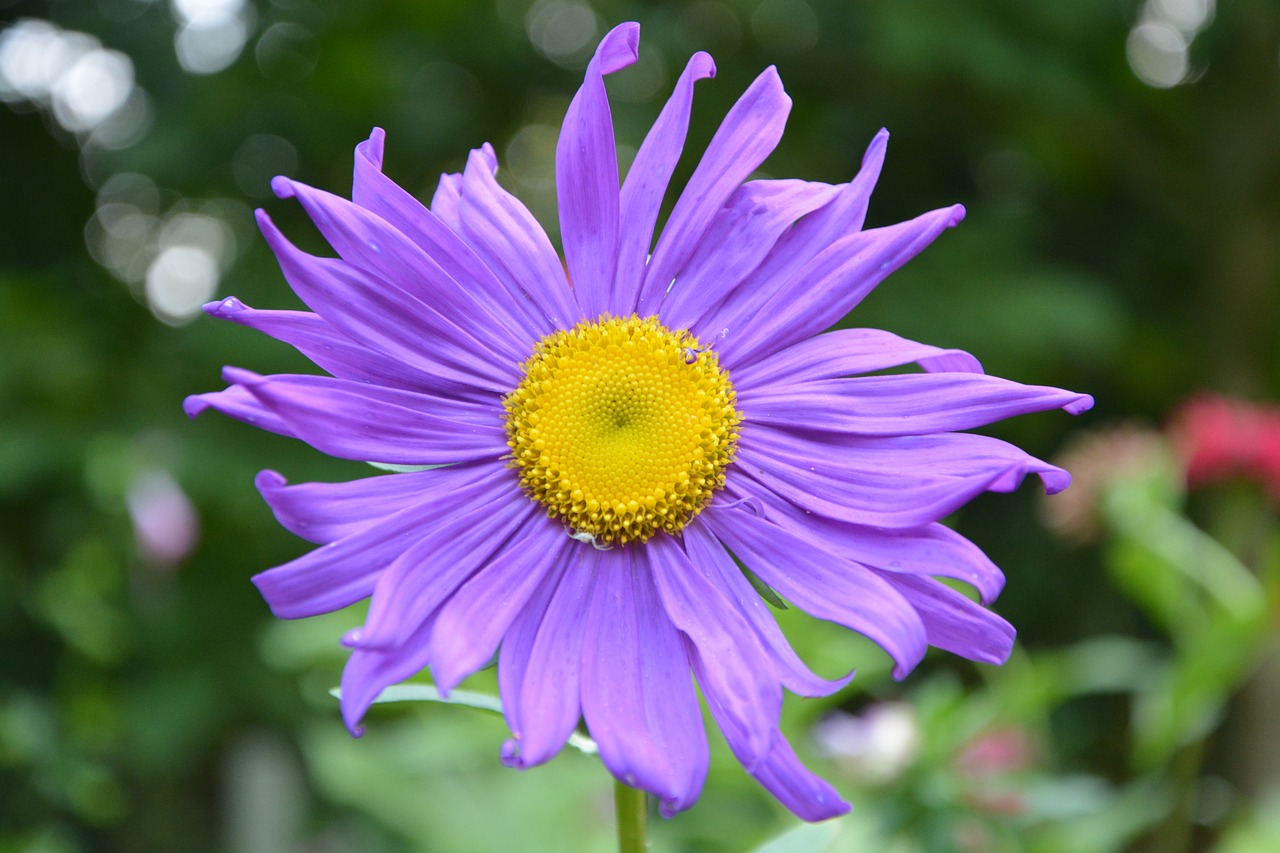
(622, 427)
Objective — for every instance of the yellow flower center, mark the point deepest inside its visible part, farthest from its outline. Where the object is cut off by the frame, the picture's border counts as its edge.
(622, 427)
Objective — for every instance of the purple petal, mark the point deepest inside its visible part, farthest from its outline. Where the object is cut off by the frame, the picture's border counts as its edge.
(889, 482)
(647, 180)
(238, 403)
(446, 204)
(440, 561)
(822, 585)
(954, 623)
(505, 234)
(930, 550)
(345, 571)
(726, 656)
(848, 352)
(386, 319)
(325, 512)
(911, 404)
(587, 175)
(738, 239)
(796, 787)
(471, 624)
(706, 552)
(637, 691)
(368, 243)
(832, 284)
(370, 671)
(375, 192)
(746, 137)
(332, 350)
(810, 236)
(447, 201)
(353, 420)
(540, 665)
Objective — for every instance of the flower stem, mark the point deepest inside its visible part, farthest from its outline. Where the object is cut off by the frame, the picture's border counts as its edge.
(633, 830)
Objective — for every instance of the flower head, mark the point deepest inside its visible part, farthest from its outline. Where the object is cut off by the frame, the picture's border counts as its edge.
(605, 432)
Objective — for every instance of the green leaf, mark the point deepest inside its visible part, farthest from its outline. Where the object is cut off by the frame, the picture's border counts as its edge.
(468, 698)
(406, 469)
(766, 591)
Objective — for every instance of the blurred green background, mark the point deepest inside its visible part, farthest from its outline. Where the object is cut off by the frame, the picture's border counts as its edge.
(1120, 161)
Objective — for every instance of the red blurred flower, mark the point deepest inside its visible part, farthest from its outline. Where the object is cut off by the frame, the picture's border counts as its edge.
(1218, 438)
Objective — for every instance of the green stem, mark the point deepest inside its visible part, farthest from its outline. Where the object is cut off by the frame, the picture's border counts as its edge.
(633, 830)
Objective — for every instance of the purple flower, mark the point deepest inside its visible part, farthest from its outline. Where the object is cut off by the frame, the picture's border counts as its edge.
(603, 439)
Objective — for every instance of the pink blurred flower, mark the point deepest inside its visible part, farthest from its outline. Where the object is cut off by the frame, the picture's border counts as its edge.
(1002, 750)
(165, 525)
(990, 762)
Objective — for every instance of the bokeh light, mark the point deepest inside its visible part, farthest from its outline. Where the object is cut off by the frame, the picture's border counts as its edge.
(564, 31)
(211, 33)
(1159, 45)
(70, 73)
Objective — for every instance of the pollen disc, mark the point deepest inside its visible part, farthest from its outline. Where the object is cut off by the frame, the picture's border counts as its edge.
(622, 427)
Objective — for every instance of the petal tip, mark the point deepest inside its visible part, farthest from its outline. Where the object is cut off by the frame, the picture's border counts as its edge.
(483, 159)
(1082, 403)
(628, 36)
(372, 148)
(510, 755)
(193, 405)
(267, 479)
(702, 66)
(283, 187)
(223, 309)
(239, 376)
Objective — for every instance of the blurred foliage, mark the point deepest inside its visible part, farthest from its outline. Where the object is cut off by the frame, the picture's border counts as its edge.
(1122, 239)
